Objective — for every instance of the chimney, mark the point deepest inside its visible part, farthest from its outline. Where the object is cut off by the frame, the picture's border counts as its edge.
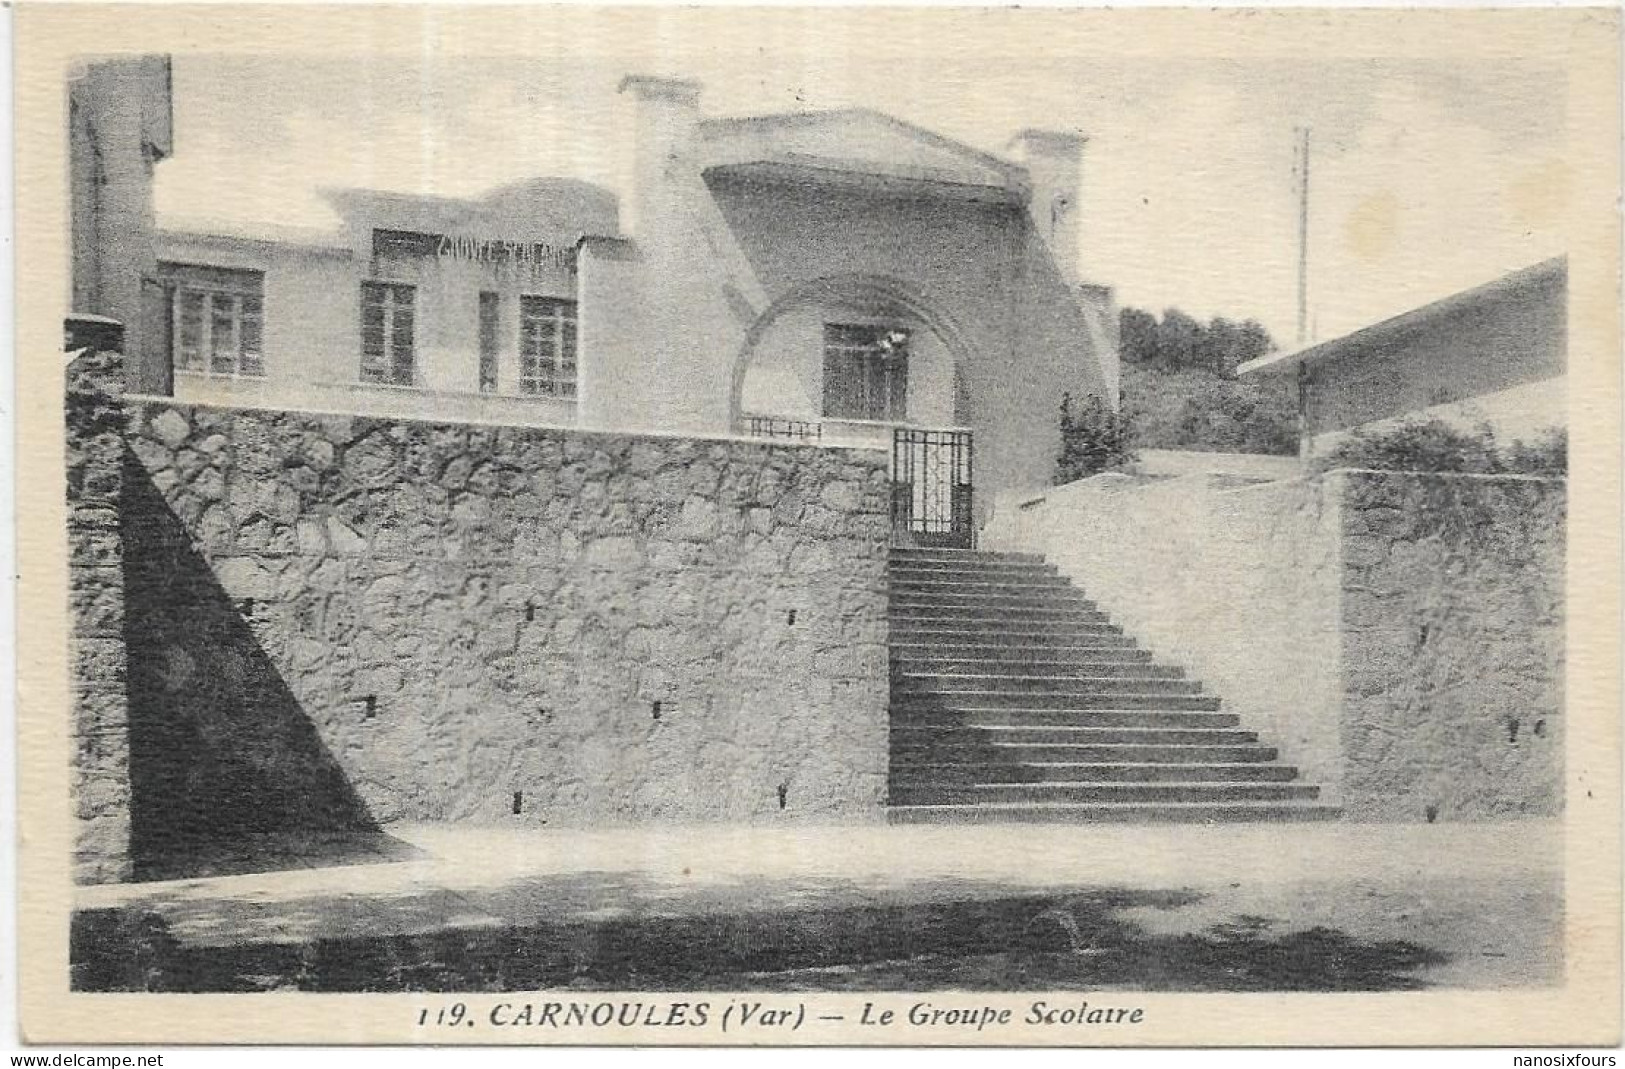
(1054, 162)
(666, 113)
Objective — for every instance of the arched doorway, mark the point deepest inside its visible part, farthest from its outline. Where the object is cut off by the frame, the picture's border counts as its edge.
(849, 358)
(865, 361)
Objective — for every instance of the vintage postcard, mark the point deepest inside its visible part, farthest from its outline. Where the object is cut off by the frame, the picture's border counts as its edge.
(582, 525)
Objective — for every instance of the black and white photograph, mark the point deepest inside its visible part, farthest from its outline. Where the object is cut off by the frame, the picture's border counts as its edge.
(866, 526)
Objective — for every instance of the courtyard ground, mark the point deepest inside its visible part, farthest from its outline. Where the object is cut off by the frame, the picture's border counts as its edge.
(1324, 907)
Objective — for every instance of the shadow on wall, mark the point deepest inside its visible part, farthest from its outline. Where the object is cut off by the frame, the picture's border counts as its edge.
(220, 749)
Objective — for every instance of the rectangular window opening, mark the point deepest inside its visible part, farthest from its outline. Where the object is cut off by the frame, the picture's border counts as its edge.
(387, 343)
(216, 320)
(866, 371)
(547, 346)
(490, 351)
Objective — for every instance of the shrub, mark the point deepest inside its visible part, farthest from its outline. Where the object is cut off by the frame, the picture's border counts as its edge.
(1094, 438)
(1434, 445)
(1198, 410)
(1545, 455)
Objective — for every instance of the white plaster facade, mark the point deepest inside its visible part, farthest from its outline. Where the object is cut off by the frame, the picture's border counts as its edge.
(747, 241)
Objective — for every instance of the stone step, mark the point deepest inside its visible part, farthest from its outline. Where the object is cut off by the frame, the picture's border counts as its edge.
(1114, 813)
(962, 556)
(1097, 718)
(1014, 698)
(906, 738)
(1141, 679)
(922, 773)
(993, 615)
(970, 631)
(975, 701)
(979, 566)
(1013, 673)
(1010, 793)
(1069, 600)
(975, 582)
(1058, 650)
(1095, 753)
(1040, 586)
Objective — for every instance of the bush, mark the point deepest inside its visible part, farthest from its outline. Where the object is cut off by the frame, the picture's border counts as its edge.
(1434, 445)
(1230, 417)
(1545, 455)
(1094, 439)
(1201, 411)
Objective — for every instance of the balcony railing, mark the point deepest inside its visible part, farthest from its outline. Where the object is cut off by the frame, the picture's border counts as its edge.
(800, 430)
(826, 430)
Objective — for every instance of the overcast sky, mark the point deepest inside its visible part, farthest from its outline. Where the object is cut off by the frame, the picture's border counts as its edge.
(1427, 178)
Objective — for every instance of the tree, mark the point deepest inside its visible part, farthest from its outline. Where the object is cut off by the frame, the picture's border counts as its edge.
(1179, 382)
(1137, 336)
(1179, 339)
(1255, 341)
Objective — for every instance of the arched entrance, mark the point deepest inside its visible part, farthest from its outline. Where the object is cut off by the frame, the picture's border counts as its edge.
(860, 360)
(848, 358)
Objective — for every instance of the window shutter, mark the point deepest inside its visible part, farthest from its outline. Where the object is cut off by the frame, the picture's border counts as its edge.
(490, 315)
(841, 386)
(897, 381)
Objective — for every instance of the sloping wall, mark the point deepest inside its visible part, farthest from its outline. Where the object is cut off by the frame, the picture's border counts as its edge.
(1241, 586)
(1400, 636)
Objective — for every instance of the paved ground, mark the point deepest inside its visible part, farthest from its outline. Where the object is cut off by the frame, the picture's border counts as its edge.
(1236, 907)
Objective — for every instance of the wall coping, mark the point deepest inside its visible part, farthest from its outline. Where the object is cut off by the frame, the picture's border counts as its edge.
(595, 432)
(1511, 477)
(1126, 480)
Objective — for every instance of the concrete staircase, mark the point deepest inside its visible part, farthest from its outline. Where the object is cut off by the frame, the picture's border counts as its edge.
(1014, 699)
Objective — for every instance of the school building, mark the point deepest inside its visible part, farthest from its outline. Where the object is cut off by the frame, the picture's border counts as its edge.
(831, 276)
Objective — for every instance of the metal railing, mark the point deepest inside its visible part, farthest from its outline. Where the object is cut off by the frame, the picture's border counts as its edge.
(932, 496)
(800, 430)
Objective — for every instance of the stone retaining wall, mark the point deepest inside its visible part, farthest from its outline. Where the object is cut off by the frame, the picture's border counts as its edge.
(1452, 645)
(100, 733)
(337, 622)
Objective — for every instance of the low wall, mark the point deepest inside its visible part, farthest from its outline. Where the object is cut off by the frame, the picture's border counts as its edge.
(1399, 636)
(339, 621)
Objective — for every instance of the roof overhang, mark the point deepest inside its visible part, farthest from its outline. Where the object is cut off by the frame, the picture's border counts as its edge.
(176, 237)
(1539, 276)
(865, 176)
(857, 148)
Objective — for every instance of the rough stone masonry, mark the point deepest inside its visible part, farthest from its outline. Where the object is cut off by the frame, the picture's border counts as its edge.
(101, 729)
(338, 622)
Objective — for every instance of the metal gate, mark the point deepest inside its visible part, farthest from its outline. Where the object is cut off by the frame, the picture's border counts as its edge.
(931, 488)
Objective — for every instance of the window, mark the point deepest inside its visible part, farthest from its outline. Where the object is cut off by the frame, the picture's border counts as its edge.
(490, 317)
(216, 320)
(386, 333)
(547, 346)
(865, 372)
